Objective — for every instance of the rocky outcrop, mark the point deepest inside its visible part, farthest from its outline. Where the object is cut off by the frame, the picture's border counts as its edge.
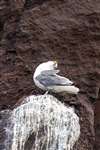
(35, 31)
(42, 122)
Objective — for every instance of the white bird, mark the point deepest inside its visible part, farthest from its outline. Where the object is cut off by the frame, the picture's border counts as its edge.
(46, 77)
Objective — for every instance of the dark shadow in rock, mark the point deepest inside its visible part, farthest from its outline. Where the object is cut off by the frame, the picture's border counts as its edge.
(31, 3)
(30, 142)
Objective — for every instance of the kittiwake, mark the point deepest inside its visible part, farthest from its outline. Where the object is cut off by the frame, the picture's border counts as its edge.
(46, 78)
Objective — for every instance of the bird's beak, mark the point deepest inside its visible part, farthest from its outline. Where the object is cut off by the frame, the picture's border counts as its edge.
(55, 64)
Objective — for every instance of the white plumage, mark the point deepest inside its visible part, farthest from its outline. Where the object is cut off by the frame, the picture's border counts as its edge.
(46, 77)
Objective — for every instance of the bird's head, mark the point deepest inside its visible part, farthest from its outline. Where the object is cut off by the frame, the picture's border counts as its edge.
(49, 65)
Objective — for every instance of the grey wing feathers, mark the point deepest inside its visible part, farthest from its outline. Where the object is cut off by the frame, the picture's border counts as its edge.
(53, 80)
(50, 72)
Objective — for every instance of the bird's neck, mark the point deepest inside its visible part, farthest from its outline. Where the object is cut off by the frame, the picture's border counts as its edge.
(37, 72)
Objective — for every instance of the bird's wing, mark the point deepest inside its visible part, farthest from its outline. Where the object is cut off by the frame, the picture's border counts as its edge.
(53, 80)
(50, 72)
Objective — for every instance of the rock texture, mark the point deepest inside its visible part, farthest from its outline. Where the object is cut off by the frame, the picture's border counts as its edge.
(33, 31)
(97, 122)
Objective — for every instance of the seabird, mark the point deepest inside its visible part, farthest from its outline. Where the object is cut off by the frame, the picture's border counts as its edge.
(46, 78)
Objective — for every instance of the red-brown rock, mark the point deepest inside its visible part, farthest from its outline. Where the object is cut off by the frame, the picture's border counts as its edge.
(34, 31)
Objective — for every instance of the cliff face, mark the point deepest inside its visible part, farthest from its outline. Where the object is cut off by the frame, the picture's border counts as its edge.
(34, 31)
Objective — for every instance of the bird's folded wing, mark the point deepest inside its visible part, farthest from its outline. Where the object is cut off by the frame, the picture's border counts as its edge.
(50, 72)
(53, 80)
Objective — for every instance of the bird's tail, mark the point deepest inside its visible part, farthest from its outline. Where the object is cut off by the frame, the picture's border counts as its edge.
(71, 89)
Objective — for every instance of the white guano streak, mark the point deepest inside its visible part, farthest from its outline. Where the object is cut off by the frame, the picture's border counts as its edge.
(60, 124)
